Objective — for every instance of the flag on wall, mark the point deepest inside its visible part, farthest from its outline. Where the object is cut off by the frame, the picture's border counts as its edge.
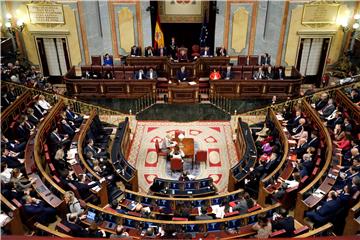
(159, 36)
(204, 33)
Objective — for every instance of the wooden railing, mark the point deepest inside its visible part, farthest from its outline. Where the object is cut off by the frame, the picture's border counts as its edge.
(285, 151)
(50, 231)
(15, 226)
(352, 226)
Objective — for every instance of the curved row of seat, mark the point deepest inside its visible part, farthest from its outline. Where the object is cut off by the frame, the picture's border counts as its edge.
(130, 221)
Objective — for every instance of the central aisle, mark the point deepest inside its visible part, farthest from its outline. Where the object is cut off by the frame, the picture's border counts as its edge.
(213, 136)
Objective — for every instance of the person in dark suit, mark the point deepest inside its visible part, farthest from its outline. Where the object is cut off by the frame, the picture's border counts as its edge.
(283, 221)
(203, 215)
(259, 74)
(280, 74)
(67, 129)
(55, 139)
(354, 95)
(320, 104)
(151, 74)
(172, 49)
(5, 102)
(221, 51)
(228, 74)
(306, 166)
(206, 52)
(73, 117)
(149, 52)
(11, 161)
(31, 116)
(265, 59)
(182, 74)
(328, 109)
(140, 75)
(337, 120)
(82, 187)
(301, 148)
(13, 145)
(269, 74)
(11, 95)
(294, 122)
(36, 208)
(76, 229)
(135, 51)
(22, 131)
(325, 212)
(313, 141)
(97, 152)
(39, 111)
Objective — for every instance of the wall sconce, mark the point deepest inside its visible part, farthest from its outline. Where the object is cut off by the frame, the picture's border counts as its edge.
(355, 26)
(13, 28)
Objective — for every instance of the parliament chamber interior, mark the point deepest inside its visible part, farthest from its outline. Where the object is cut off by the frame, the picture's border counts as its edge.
(180, 119)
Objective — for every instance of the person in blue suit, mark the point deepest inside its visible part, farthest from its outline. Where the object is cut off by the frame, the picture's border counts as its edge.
(36, 208)
(325, 212)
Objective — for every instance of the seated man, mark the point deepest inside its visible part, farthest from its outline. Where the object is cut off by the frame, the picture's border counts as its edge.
(228, 74)
(206, 52)
(221, 51)
(36, 208)
(182, 75)
(354, 95)
(326, 212)
(73, 117)
(97, 152)
(279, 74)
(151, 74)
(259, 74)
(135, 51)
(139, 75)
(283, 221)
(269, 73)
(321, 103)
(328, 109)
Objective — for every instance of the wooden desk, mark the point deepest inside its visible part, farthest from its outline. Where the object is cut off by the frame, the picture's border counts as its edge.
(188, 147)
(183, 93)
(206, 62)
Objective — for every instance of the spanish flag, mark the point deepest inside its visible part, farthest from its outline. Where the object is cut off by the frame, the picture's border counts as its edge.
(159, 36)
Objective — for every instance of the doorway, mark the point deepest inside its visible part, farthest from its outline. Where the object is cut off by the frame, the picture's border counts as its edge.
(311, 58)
(54, 57)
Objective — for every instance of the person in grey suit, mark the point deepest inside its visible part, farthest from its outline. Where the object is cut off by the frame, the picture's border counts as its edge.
(151, 74)
(203, 215)
(328, 109)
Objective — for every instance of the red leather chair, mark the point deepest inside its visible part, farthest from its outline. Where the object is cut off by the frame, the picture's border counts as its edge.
(176, 164)
(242, 60)
(195, 51)
(158, 150)
(254, 60)
(201, 156)
(96, 60)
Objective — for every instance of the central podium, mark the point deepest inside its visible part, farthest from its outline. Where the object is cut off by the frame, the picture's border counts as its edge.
(183, 93)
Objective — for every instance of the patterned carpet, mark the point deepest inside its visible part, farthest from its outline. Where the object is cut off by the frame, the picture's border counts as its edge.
(214, 136)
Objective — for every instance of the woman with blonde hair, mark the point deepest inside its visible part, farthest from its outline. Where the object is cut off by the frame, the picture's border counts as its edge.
(73, 205)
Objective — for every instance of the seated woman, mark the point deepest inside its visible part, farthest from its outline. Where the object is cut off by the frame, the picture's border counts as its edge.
(43, 103)
(108, 60)
(263, 227)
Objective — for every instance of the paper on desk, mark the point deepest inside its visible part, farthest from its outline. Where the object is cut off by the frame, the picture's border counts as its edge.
(192, 83)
